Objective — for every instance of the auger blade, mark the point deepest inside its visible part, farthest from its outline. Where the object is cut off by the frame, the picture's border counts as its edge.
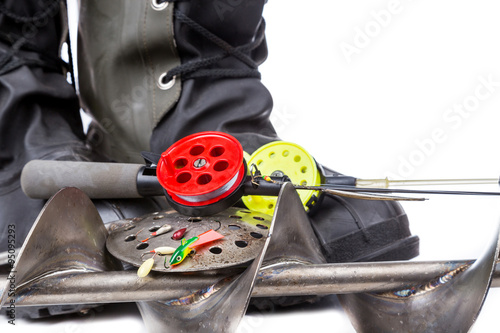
(217, 308)
(294, 240)
(448, 303)
(220, 307)
(67, 236)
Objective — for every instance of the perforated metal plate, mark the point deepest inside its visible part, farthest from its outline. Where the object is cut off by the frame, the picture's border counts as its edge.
(244, 235)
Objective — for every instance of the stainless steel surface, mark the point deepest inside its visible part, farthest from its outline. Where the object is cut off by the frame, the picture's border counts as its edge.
(218, 306)
(244, 236)
(294, 240)
(292, 269)
(67, 237)
(66, 268)
(288, 280)
(448, 303)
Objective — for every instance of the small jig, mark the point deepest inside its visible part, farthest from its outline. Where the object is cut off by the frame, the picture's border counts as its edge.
(162, 230)
(146, 267)
(256, 174)
(162, 250)
(182, 251)
(187, 245)
(179, 234)
(269, 179)
(137, 233)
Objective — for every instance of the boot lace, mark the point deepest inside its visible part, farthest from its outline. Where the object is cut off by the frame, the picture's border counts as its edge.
(11, 59)
(201, 67)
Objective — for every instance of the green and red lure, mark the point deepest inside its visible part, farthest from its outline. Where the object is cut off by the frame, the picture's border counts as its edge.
(187, 245)
(180, 253)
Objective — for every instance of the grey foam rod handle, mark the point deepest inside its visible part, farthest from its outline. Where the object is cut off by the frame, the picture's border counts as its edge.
(42, 179)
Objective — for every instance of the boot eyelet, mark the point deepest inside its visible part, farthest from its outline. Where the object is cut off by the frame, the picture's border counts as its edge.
(165, 85)
(159, 5)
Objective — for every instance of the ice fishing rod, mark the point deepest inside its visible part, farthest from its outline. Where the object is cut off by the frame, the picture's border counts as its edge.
(207, 172)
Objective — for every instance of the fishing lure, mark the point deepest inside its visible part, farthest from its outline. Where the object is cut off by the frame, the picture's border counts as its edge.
(146, 267)
(187, 245)
(179, 233)
(162, 250)
(148, 264)
(162, 230)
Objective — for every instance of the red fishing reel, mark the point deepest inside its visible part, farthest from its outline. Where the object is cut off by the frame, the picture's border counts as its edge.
(203, 173)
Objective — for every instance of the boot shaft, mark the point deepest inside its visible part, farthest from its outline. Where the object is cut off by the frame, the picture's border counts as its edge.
(33, 26)
(123, 48)
(235, 22)
(126, 72)
(221, 46)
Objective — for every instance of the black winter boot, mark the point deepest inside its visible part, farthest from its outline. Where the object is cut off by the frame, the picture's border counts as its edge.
(39, 111)
(220, 46)
(352, 230)
(39, 119)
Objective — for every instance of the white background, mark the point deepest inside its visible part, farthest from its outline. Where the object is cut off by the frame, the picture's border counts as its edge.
(376, 113)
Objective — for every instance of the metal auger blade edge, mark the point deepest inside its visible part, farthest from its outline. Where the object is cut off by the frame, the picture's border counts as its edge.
(55, 246)
(448, 303)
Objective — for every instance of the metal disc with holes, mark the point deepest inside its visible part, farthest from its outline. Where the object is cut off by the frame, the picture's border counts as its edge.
(244, 234)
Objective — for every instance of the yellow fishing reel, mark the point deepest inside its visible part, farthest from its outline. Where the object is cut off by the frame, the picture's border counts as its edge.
(279, 159)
